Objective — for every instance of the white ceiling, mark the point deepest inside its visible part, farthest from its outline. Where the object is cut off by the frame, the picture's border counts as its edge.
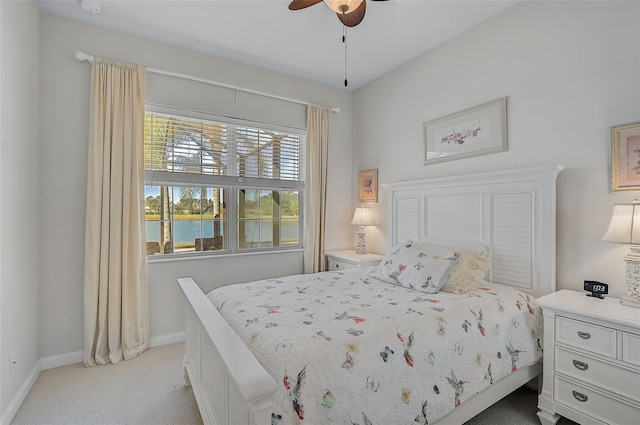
(305, 43)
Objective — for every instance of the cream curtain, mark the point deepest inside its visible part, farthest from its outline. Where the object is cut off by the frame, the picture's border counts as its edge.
(116, 311)
(316, 187)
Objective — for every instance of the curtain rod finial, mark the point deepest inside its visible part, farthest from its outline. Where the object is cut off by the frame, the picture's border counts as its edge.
(335, 110)
(81, 56)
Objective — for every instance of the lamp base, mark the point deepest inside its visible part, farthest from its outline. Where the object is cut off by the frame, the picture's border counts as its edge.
(632, 295)
(630, 301)
(362, 246)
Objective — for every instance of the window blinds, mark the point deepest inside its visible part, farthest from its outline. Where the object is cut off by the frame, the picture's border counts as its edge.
(193, 146)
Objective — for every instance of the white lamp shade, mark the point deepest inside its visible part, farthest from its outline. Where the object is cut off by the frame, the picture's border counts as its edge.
(625, 224)
(362, 217)
(335, 5)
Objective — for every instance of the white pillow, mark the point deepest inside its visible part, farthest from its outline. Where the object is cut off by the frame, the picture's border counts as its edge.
(422, 267)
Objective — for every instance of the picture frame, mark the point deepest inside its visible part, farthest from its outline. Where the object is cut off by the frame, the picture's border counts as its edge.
(624, 155)
(475, 131)
(368, 186)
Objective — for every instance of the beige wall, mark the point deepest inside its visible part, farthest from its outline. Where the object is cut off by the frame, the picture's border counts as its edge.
(570, 71)
(19, 200)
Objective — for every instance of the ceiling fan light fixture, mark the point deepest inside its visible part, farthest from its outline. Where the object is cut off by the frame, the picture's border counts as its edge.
(90, 6)
(338, 6)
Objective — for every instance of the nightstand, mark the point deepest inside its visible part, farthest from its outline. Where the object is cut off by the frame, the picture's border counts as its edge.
(339, 260)
(591, 369)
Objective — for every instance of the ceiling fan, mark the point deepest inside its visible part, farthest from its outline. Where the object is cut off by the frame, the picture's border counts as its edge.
(350, 12)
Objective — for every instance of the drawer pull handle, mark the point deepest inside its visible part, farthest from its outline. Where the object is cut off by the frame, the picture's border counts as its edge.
(580, 397)
(580, 365)
(584, 335)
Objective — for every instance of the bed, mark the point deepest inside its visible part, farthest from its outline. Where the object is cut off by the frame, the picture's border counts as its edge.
(420, 364)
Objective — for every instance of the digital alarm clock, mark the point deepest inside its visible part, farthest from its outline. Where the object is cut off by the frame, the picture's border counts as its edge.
(597, 289)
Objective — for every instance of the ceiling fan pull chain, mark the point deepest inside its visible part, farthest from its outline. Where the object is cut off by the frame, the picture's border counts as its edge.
(344, 40)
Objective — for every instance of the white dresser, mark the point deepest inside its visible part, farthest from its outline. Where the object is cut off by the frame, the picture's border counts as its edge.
(591, 360)
(337, 260)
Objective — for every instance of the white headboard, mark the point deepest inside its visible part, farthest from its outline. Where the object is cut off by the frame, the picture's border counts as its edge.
(512, 212)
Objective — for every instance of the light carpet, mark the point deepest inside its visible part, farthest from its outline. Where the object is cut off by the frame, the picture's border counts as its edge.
(146, 390)
(150, 390)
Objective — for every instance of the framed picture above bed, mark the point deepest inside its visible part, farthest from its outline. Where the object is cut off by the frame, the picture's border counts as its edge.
(368, 186)
(479, 130)
(625, 157)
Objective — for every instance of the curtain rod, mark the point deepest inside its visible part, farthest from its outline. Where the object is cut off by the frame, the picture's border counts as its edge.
(81, 56)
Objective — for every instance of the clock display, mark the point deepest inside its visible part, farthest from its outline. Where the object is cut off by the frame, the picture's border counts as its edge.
(597, 289)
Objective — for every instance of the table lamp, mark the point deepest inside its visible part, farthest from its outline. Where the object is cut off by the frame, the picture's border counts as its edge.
(625, 228)
(362, 218)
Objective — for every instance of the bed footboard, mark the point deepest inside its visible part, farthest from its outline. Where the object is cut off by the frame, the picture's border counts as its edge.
(230, 385)
(491, 395)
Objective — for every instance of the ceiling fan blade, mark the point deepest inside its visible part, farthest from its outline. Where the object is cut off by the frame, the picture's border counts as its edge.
(352, 19)
(301, 4)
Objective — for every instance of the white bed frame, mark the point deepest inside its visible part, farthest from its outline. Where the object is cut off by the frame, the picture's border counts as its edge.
(512, 212)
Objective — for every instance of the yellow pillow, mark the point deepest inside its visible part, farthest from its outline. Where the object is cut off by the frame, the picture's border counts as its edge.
(467, 273)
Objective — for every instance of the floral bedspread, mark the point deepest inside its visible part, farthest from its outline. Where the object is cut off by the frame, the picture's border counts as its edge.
(346, 348)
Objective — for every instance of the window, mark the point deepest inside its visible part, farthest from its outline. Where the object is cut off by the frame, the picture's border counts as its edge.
(217, 185)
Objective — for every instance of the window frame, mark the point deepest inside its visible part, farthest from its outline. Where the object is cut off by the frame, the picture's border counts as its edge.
(230, 184)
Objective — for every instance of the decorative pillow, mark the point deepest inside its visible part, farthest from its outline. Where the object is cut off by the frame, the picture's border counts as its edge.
(470, 269)
(469, 247)
(468, 273)
(422, 267)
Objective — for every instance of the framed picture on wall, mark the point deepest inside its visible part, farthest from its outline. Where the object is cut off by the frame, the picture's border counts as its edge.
(475, 131)
(368, 186)
(625, 157)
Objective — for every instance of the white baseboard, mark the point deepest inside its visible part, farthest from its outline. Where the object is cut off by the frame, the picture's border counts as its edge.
(66, 359)
(157, 341)
(59, 360)
(14, 405)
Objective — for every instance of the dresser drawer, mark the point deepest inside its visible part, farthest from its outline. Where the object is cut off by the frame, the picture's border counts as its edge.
(619, 380)
(631, 348)
(586, 336)
(594, 404)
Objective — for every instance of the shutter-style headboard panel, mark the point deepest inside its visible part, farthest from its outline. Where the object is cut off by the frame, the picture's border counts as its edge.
(513, 239)
(407, 210)
(512, 212)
